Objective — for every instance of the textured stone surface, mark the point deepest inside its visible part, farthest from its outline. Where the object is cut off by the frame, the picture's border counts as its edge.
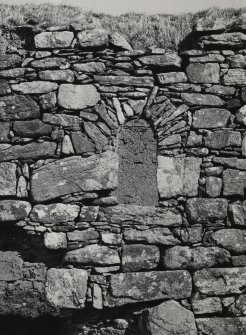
(93, 38)
(119, 41)
(75, 174)
(14, 107)
(161, 236)
(178, 176)
(55, 241)
(7, 61)
(237, 213)
(208, 73)
(222, 326)
(66, 288)
(223, 138)
(70, 122)
(57, 75)
(125, 81)
(172, 77)
(232, 239)
(10, 266)
(49, 63)
(210, 118)
(235, 77)
(33, 128)
(35, 87)
(77, 96)
(168, 318)
(4, 131)
(167, 60)
(207, 306)
(8, 179)
(233, 181)
(54, 213)
(14, 210)
(225, 40)
(202, 99)
(53, 40)
(213, 186)
(91, 67)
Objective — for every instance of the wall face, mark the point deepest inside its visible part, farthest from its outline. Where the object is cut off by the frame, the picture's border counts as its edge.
(125, 172)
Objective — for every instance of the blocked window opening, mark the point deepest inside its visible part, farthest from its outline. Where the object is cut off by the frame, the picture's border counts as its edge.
(138, 166)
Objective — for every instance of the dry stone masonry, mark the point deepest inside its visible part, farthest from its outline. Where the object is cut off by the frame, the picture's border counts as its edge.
(122, 182)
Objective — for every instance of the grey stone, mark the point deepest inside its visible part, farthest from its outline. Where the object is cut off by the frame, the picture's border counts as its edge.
(222, 325)
(93, 38)
(125, 81)
(54, 213)
(48, 101)
(167, 60)
(237, 61)
(209, 58)
(172, 77)
(83, 236)
(4, 131)
(235, 77)
(75, 174)
(180, 257)
(231, 239)
(57, 75)
(202, 210)
(207, 306)
(55, 241)
(49, 63)
(119, 41)
(225, 40)
(241, 115)
(8, 179)
(202, 99)
(178, 176)
(208, 25)
(99, 139)
(10, 266)
(168, 318)
(14, 107)
(111, 238)
(66, 288)
(103, 112)
(162, 236)
(221, 90)
(14, 210)
(4, 87)
(237, 214)
(67, 146)
(223, 138)
(70, 122)
(210, 118)
(88, 213)
(213, 186)
(233, 182)
(33, 128)
(10, 60)
(91, 67)
(199, 73)
(137, 257)
(54, 40)
(194, 140)
(34, 87)
(77, 96)
(93, 254)
(14, 73)
(81, 144)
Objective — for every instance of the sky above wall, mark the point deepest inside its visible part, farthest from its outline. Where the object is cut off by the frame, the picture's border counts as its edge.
(117, 7)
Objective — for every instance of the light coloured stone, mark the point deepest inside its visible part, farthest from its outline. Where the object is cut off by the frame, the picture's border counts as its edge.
(167, 60)
(120, 116)
(91, 67)
(213, 186)
(54, 213)
(7, 179)
(21, 190)
(55, 241)
(34, 87)
(161, 236)
(231, 239)
(222, 325)
(172, 77)
(57, 75)
(210, 118)
(202, 99)
(208, 73)
(70, 122)
(235, 77)
(67, 146)
(10, 266)
(207, 306)
(54, 40)
(93, 38)
(125, 81)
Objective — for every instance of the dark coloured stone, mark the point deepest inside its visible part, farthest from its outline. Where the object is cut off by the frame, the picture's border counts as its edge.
(81, 144)
(125, 81)
(14, 210)
(233, 182)
(243, 95)
(33, 128)
(70, 122)
(4, 87)
(208, 73)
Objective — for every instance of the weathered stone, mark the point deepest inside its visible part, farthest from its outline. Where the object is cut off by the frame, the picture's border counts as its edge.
(71, 122)
(220, 281)
(10, 60)
(233, 182)
(34, 87)
(237, 61)
(209, 24)
(125, 81)
(239, 260)
(172, 77)
(191, 235)
(54, 213)
(237, 213)
(14, 107)
(13, 73)
(57, 75)
(93, 254)
(54, 40)
(14, 210)
(21, 190)
(67, 146)
(119, 41)
(201, 210)
(93, 38)
(199, 73)
(29, 151)
(88, 213)
(10, 266)
(146, 286)
(48, 101)
(207, 306)
(111, 238)
(81, 144)
(168, 318)
(180, 257)
(66, 288)
(214, 171)
(97, 297)
(33, 128)
(145, 215)
(222, 326)
(225, 41)
(243, 95)
(49, 63)
(194, 140)
(178, 176)
(4, 87)
(235, 77)
(241, 115)
(202, 99)
(4, 131)
(7, 179)
(167, 60)
(209, 58)
(223, 138)
(232, 239)
(221, 90)
(77, 96)
(91, 67)
(96, 135)
(162, 236)
(213, 186)
(83, 236)
(75, 174)
(173, 140)
(210, 118)
(102, 111)
(137, 257)
(55, 241)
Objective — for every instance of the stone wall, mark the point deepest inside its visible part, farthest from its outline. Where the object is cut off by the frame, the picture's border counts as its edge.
(122, 182)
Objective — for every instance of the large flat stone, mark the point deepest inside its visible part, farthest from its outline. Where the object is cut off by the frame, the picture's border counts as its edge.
(220, 139)
(8, 179)
(235, 77)
(10, 266)
(232, 239)
(208, 73)
(167, 60)
(135, 287)
(14, 210)
(34, 87)
(220, 281)
(54, 40)
(125, 81)
(15, 107)
(225, 40)
(77, 96)
(66, 288)
(49, 63)
(75, 174)
(57, 75)
(178, 176)
(32, 128)
(90, 67)
(202, 99)
(210, 118)
(222, 326)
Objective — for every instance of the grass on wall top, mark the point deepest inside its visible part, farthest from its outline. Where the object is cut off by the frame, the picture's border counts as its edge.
(162, 30)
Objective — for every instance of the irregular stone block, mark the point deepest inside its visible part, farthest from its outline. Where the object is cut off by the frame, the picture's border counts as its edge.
(14, 73)
(119, 41)
(125, 81)
(4, 87)
(221, 90)
(111, 238)
(222, 326)
(202, 99)
(77, 96)
(233, 182)
(75, 174)
(237, 61)
(208, 25)
(96, 136)
(66, 288)
(172, 77)
(82, 144)
(34, 87)
(208, 73)
(8, 179)
(167, 60)
(10, 266)
(241, 115)
(213, 186)
(84, 236)
(9, 60)
(145, 215)
(223, 138)
(48, 101)
(237, 213)
(162, 236)
(93, 254)
(33, 128)
(93, 38)
(54, 40)
(125, 288)
(15, 107)
(55, 241)
(235, 77)
(202, 210)
(72, 122)
(210, 118)
(220, 281)
(88, 213)
(57, 75)
(178, 176)
(14, 210)
(208, 58)
(180, 257)
(49, 63)
(207, 306)
(137, 257)
(4, 132)
(91, 67)
(232, 239)
(225, 41)
(168, 318)
(54, 213)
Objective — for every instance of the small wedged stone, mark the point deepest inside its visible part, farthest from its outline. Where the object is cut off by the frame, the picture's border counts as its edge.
(54, 213)
(91, 67)
(199, 73)
(167, 60)
(119, 41)
(201, 99)
(124, 81)
(48, 101)
(10, 266)
(231, 239)
(8, 179)
(93, 38)
(4, 87)
(54, 40)
(213, 186)
(210, 118)
(57, 75)
(34, 87)
(222, 325)
(14, 210)
(33, 128)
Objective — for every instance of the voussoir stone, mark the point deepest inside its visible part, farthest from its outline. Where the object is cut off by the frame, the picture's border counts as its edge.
(130, 287)
(14, 210)
(93, 254)
(222, 325)
(167, 60)
(77, 96)
(10, 266)
(178, 176)
(93, 38)
(35, 87)
(211, 118)
(54, 40)
(66, 288)
(15, 107)
(8, 180)
(75, 174)
(168, 318)
(54, 213)
(232, 239)
(32, 128)
(119, 41)
(199, 73)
